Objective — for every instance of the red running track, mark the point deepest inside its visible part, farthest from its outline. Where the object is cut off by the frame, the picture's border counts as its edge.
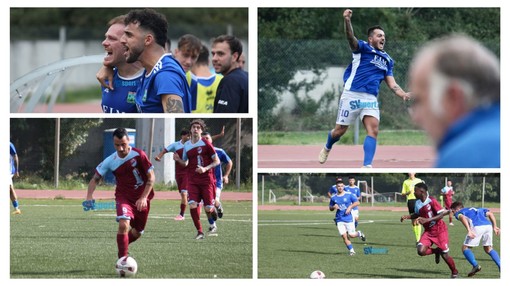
(344, 156)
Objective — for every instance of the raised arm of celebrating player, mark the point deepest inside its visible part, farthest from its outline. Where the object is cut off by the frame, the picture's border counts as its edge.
(349, 33)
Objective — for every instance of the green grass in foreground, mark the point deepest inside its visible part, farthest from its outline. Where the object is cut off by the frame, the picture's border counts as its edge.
(292, 244)
(385, 137)
(57, 239)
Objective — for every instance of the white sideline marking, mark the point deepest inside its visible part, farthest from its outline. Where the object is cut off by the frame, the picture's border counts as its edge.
(299, 222)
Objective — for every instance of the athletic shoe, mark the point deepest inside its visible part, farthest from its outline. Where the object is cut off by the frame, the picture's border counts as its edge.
(367, 166)
(474, 270)
(451, 223)
(179, 217)
(454, 275)
(213, 231)
(323, 155)
(362, 236)
(214, 215)
(199, 236)
(352, 253)
(438, 255)
(17, 211)
(220, 211)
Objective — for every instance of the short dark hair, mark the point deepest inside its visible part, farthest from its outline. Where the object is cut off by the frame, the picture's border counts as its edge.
(457, 204)
(184, 132)
(120, 133)
(422, 185)
(371, 30)
(205, 133)
(339, 180)
(234, 43)
(351, 177)
(149, 19)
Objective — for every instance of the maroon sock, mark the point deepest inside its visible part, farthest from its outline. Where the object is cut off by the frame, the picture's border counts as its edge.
(122, 244)
(451, 264)
(183, 209)
(198, 210)
(195, 215)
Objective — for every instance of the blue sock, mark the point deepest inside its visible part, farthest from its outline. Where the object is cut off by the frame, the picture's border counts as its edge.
(15, 204)
(349, 247)
(211, 220)
(355, 224)
(470, 257)
(331, 141)
(494, 255)
(369, 148)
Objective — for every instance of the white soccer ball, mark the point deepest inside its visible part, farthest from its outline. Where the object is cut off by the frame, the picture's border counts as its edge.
(317, 274)
(126, 266)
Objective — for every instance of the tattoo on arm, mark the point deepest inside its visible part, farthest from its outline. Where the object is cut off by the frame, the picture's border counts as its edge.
(174, 105)
(396, 89)
(349, 33)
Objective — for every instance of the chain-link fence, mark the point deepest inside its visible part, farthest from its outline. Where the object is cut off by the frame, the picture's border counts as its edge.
(471, 189)
(300, 82)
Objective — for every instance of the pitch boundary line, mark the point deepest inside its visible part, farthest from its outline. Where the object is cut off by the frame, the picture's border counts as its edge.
(304, 222)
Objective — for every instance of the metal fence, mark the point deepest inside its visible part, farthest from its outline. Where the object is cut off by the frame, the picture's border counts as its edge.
(300, 82)
(385, 188)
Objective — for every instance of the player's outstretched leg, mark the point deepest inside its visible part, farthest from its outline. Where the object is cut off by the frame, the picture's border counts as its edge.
(324, 153)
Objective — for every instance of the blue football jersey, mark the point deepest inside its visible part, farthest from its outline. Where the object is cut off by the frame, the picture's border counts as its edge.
(166, 77)
(343, 201)
(218, 172)
(122, 98)
(368, 68)
(475, 216)
(353, 190)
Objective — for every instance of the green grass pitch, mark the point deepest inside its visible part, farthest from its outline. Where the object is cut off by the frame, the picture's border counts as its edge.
(57, 239)
(292, 244)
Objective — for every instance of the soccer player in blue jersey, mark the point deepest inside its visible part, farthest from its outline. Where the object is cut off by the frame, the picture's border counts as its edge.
(232, 93)
(14, 163)
(119, 97)
(344, 203)
(180, 171)
(164, 87)
(218, 172)
(480, 223)
(353, 189)
(456, 89)
(207, 83)
(370, 66)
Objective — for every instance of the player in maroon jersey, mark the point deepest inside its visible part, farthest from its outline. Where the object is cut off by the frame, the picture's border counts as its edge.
(134, 177)
(200, 158)
(180, 170)
(430, 214)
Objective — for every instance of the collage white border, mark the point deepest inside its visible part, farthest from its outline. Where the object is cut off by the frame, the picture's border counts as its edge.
(253, 5)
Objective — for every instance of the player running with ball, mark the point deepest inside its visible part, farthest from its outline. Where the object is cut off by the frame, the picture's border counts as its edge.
(429, 213)
(134, 177)
(370, 65)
